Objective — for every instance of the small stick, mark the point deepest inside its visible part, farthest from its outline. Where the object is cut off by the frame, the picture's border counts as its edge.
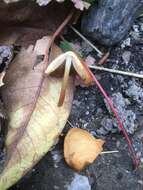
(140, 15)
(62, 37)
(57, 32)
(65, 22)
(70, 123)
(77, 15)
(104, 58)
(117, 71)
(87, 41)
(109, 152)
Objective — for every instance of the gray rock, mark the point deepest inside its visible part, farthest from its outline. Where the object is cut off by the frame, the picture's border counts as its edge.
(108, 21)
(6, 55)
(43, 2)
(135, 92)
(57, 157)
(127, 116)
(126, 56)
(79, 183)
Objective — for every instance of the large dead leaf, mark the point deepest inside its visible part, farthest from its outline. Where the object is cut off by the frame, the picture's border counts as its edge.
(35, 120)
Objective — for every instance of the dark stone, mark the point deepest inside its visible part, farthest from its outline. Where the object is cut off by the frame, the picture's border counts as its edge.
(6, 55)
(108, 21)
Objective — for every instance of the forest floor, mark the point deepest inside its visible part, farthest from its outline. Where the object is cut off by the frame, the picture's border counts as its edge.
(110, 171)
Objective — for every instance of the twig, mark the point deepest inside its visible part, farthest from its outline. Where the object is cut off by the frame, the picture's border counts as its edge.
(87, 41)
(104, 58)
(70, 123)
(109, 152)
(116, 71)
(65, 22)
(62, 37)
(76, 16)
(57, 32)
(140, 15)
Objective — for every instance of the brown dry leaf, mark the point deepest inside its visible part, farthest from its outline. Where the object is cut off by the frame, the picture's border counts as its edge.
(35, 120)
(81, 148)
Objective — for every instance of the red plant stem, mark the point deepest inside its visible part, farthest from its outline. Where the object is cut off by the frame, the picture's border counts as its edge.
(58, 31)
(62, 37)
(104, 59)
(65, 22)
(131, 149)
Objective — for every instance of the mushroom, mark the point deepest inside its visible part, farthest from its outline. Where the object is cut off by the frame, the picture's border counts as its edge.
(73, 65)
(81, 148)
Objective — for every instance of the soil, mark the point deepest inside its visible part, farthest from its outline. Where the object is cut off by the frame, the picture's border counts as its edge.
(110, 171)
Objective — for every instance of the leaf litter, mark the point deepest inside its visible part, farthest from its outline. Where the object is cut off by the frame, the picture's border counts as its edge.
(22, 111)
(24, 105)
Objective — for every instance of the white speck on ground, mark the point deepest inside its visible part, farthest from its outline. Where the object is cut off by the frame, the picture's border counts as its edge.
(57, 156)
(126, 43)
(127, 116)
(135, 92)
(136, 28)
(79, 182)
(43, 2)
(126, 56)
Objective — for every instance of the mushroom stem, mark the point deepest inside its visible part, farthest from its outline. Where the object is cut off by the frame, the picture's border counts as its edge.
(65, 80)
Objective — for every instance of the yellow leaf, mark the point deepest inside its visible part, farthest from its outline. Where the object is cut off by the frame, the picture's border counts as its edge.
(35, 120)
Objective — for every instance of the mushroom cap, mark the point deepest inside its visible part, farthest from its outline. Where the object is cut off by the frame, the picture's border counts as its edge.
(81, 148)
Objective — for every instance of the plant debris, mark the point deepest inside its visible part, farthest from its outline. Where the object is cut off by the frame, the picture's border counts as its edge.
(37, 88)
(35, 119)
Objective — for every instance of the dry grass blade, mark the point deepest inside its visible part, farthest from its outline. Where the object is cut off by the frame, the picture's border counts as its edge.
(87, 41)
(104, 59)
(109, 152)
(125, 73)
